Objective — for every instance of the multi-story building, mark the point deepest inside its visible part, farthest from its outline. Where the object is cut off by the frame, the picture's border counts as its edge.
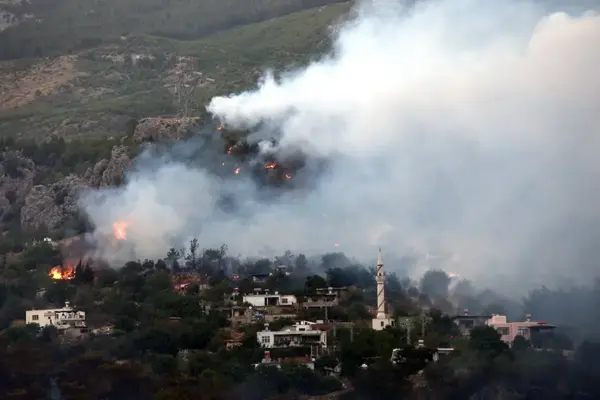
(467, 322)
(61, 318)
(324, 297)
(510, 330)
(301, 334)
(270, 299)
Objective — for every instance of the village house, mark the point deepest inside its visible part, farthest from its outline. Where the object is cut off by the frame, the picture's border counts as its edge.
(261, 299)
(267, 360)
(528, 328)
(324, 297)
(467, 322)
(63, 319)
(508, 330)
(303, 334)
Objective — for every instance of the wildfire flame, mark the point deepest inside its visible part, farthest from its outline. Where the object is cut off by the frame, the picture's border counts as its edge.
(229, 149)
(288, 176)
(220, 127)
(270, 165)
(236, 171)
(120, 230)
(62, 273)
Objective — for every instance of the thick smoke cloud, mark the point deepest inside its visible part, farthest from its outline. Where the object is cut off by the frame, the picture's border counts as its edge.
(454, 128)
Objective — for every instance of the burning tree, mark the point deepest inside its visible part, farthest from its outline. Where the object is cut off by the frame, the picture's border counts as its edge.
(60, 272)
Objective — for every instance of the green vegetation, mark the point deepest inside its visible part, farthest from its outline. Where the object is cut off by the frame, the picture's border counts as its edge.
(165, 344)
(107, 89)
(62, 26)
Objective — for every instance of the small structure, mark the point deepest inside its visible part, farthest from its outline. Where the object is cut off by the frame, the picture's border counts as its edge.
(236, 339)
(467, 322)
(270, 300)
(383, 320)
(301, 334)
(308, 362)
(61, 318)
(324, 297)
(260, 278)
(510, 330)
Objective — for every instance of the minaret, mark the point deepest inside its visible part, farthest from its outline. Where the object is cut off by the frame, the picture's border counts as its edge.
(380, 288)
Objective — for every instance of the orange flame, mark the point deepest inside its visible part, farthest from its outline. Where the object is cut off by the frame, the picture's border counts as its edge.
(270, 165)
(220, 127)
(62, 273)
(288, 176)
(236, 171)
(229, 149)
(120, 230)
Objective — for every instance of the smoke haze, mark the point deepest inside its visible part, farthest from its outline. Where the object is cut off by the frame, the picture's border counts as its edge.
(459, 131)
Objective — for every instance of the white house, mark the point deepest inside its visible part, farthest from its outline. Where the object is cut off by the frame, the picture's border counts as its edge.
(267, 299)
(301, 334)
(61, 318)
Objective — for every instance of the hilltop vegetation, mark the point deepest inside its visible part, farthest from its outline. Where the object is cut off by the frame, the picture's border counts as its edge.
(61, 26)
(96, 91)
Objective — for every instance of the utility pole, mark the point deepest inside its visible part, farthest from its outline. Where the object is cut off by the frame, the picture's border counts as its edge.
(424, 320)
(406, 323)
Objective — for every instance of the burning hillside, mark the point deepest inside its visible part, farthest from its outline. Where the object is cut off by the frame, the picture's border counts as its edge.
(265, 161)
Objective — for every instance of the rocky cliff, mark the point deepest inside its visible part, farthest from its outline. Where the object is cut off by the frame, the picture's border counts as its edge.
(48, 207)
(17, 174)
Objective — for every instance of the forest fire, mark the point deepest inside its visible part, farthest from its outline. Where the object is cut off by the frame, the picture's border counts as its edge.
(120, 230)
(236, 171)
(288, 176)
(220, 127)
(62, 273)
(271, 165)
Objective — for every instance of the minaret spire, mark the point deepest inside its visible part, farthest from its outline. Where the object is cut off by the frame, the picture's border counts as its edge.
(380, 287)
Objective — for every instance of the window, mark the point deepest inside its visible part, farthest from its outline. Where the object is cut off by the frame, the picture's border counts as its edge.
(523, 331)
(35, 317)
(284, 301)
(503, 330)
(266, 339)
(381, 323)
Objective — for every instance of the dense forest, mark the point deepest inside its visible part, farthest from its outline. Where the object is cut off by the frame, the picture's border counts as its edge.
(168, 344)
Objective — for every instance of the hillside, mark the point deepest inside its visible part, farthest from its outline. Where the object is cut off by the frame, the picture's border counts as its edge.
(72, 121)
(51, 27)
(96, 91)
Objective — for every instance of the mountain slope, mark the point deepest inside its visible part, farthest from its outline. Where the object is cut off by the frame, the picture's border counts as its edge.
(53, 27)
(96, 91)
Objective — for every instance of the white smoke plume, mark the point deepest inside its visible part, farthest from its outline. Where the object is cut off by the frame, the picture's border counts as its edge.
(455, 127)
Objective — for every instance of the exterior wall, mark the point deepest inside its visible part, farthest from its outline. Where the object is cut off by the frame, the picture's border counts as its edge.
(510, 330)
(59, 317)
(300, 335)
(380, 324)
(466, 323)
(260, 300)
(269, 339)
(319, 300)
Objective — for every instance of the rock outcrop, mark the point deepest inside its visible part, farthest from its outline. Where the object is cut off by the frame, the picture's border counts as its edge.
(164, 128)
(109, 172)
(50, 206)
(16, 180)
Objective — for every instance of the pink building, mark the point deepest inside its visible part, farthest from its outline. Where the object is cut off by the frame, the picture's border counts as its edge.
(510, 330)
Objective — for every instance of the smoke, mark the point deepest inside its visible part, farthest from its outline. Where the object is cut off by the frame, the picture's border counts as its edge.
(452, 127)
